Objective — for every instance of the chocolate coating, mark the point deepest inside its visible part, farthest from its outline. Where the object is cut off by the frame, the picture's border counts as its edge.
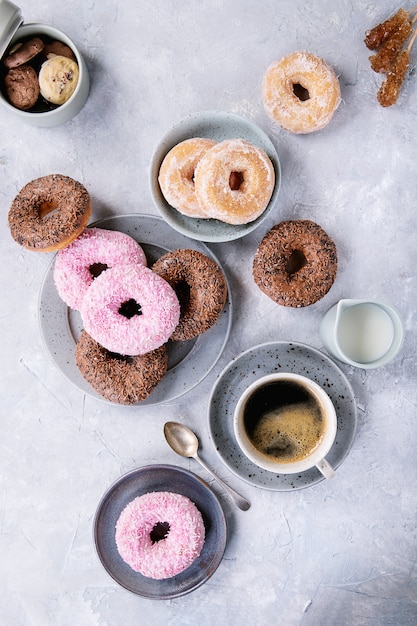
(22, 87)
(49, 212)
(59, 49)
(123, 380)
(23, 52)
(295, 263)
(200, 286)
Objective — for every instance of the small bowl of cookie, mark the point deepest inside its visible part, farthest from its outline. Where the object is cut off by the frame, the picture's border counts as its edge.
(43, 76)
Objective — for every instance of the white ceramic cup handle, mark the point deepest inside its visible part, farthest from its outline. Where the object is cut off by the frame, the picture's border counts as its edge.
(325, 468)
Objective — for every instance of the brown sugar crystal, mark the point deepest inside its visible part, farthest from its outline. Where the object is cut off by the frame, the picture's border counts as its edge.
(375, 37)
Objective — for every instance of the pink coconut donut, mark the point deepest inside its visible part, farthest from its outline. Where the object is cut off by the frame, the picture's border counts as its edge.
(93, 252)
(130, 310)
(160, 534)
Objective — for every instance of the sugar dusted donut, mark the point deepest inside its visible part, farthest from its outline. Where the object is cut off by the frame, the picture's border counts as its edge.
(200, 286)
(301, 92)
(160, 534)
(295, 263)
(49, 213)
(234, 181)
(176, 175)
(130, 310)
(93, 252)
(119, 379)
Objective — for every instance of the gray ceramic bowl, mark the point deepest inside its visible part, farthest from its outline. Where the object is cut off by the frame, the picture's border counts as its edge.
(216, 125)
(160, 478)
(66, 111)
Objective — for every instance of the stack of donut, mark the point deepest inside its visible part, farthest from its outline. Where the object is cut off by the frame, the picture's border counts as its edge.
(231, 181)
(129, 311)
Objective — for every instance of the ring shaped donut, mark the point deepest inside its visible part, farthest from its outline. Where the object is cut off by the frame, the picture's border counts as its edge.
(234, 182)
(160, 534)
(93, 252)
(301, 92)
(295, 263)
(122, 380)
(200, 286)
(49, 213)
(176, 175)
(130, 310)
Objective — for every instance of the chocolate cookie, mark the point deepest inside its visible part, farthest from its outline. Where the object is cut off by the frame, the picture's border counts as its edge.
(22, 87)
(23, 52)
(58, 48)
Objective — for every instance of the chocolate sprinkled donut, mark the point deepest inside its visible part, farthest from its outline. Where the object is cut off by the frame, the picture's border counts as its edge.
(119, 379)
(295, 263)
(49, 213)
(200, 287)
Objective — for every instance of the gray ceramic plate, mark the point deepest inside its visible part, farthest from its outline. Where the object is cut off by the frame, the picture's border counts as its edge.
(160, 478)
(188, 361)
(280, 356)
(216, 125)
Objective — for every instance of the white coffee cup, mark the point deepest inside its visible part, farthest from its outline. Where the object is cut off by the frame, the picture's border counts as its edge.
(286, 423)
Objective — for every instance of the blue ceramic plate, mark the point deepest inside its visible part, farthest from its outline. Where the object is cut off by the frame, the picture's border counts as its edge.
(160, 478)
(216, 125)
(268, 358)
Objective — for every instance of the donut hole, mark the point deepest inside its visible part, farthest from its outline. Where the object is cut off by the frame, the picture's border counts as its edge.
(236, 180)
(124, 358)
(47, 208)
(183, 290)
(96, 269)
(159, 531)
(296, 261)
(130, 308)
(300, 92)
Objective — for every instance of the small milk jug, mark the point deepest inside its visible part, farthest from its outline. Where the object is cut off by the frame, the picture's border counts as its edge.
(363, 333)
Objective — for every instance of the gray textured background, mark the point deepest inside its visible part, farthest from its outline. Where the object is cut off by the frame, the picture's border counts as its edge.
(342, 552)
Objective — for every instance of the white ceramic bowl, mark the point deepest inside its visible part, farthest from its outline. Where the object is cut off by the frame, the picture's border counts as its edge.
(65, 112)
(216, 125)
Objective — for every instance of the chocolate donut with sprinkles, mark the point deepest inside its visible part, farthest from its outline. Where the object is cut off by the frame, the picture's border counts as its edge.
(296, 263)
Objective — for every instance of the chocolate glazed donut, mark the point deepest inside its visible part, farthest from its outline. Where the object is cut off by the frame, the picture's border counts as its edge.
(296, 263)
(200, 287)
(49, 213)
(120, 379)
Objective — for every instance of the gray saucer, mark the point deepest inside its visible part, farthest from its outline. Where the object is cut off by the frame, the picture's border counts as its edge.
(279, 356)
(160, 478)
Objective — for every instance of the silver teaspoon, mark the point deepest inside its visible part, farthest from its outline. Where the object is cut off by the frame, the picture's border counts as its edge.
(185, 443)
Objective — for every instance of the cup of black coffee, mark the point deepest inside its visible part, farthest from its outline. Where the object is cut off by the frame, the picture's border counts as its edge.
(286, 423)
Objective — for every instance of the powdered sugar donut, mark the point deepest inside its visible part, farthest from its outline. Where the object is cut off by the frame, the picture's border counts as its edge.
(160, 534)
(176, 175)
(234, 181)
(301, 92)
(130, 310)
(93, 252)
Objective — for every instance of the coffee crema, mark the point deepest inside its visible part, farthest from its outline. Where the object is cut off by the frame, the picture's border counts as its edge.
(284, 421)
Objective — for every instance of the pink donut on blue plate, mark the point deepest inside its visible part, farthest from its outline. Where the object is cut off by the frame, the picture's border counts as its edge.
(92, 253)
(160, 534)
(130, 310)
